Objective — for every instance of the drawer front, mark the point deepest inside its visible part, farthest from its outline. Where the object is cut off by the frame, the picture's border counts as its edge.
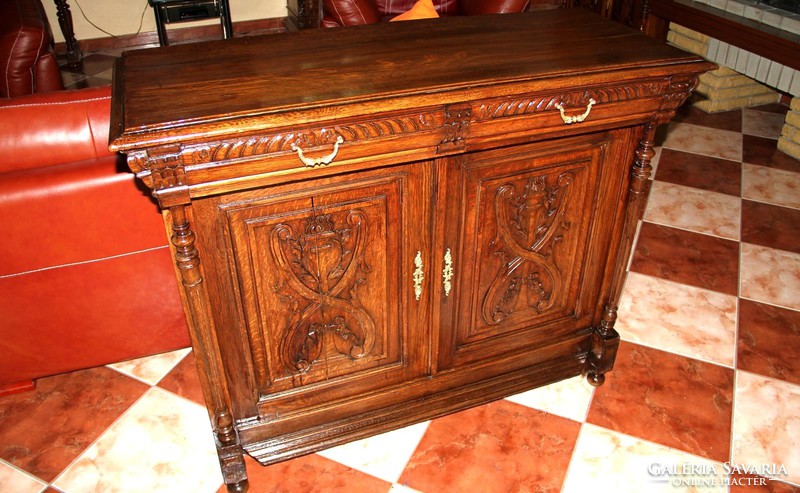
(461, 123)
(303, 152)
(553, 114)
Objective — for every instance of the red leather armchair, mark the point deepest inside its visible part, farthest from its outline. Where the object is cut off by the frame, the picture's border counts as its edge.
(27, 60)
(86, 277)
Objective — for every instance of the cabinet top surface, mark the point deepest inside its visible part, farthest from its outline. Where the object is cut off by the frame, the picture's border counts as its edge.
(161, 94)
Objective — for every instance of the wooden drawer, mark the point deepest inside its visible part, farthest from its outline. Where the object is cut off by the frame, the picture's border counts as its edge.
(382, 139)
(555, 114)
(342, 146)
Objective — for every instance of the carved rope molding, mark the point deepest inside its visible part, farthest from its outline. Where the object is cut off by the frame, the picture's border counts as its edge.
(547, 102)
(260, 145)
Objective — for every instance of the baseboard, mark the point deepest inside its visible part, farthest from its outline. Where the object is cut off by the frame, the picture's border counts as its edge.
(177, 35)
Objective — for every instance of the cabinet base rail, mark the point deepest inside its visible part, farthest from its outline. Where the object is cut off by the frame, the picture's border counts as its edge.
(291, 445)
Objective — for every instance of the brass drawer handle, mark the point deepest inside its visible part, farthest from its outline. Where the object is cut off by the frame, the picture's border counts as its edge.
(419, 276)
(569, 120)
(327, 159)
(447, 273)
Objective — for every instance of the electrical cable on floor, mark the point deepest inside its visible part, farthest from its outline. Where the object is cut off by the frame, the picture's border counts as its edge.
(118, 36)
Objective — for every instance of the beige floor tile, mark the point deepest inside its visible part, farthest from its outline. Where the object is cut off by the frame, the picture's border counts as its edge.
(766, 425)
(770, 276)
(605, 460)
(694, 210)
(704, 140)
(771, 185)
(13, 480)
(151, 369)
(163, 443)
(682, 319)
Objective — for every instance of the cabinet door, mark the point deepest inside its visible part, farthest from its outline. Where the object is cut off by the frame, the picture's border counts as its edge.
(323, 270)
(528, 229)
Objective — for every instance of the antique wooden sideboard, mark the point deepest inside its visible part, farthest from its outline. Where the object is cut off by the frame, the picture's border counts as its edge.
(375, 226)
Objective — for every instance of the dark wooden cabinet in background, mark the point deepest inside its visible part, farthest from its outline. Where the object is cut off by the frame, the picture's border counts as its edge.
(375, 226)
(303, 14)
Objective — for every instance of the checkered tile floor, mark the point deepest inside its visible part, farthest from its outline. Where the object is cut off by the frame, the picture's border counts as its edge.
(707, 378)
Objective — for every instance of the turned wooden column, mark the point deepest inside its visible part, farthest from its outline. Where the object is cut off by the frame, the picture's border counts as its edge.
(207, 358)
(74, 54)
(605, 340)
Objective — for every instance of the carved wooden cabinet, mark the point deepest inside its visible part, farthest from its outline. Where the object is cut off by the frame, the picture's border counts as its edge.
(406, 220)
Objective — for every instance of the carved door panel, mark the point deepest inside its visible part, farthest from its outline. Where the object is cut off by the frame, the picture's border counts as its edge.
(324, 274)
(525, 247)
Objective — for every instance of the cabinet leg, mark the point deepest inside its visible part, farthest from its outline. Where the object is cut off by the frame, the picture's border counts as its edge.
(605, 342)
(240, 487)
(234, 473)
(231, 457)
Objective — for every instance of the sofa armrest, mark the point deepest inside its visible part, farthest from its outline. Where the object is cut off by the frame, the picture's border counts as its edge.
(478, 7)
(27, 60)
(41, 130)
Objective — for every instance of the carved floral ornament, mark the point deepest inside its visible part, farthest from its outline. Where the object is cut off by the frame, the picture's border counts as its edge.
(321, 268)
(530, 225)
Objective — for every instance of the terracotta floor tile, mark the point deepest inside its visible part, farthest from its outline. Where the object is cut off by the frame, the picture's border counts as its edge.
(311, 473)
(772, 108)
(769, 341)
(501, 446)
(762, 123)
(764, 152)
(184, 381)
(88, 82)
(694, 170)
(771, 226)
(91, 64)
(686, 257)
(73, 80)
(726, 120)
(44, 430)
(766, 424)
(668, 399)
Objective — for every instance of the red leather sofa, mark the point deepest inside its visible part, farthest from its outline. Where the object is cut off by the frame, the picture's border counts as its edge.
(86, 277)
(27, 60)
(354, 12)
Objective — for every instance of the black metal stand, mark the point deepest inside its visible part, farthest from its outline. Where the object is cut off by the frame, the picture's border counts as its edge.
(169, 11)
